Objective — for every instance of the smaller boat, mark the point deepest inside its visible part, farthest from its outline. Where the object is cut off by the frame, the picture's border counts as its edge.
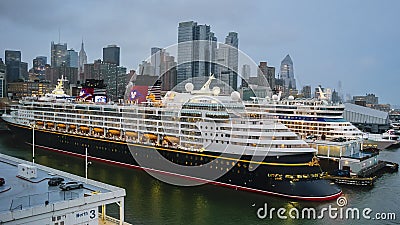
(39, 123)
(61, 125)
(114, 132)
(98, 130)
(150, 136)
(171, 139)
(131, 134)
(72, 126)
(84, 128)
(49, 124)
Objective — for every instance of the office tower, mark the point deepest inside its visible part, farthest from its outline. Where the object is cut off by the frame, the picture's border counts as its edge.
(58, 54)
(287, 73)
(196, 52)
(3, 79)
(82, 59)
(232, 41)
(268, 72)
(306, 91)
(163, 65)
(39, 66)
(24, 75)
(72, 58)
(111, 54)
(245, 75)
(13, 62)
(155, 59)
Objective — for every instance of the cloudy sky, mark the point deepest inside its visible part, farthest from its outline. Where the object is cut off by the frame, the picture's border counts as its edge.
(355, 42)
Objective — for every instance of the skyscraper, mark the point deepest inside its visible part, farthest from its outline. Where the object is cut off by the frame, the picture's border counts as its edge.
(111, 54)
(196, 52)
(72, 58)
(269, 74)
(13, 62)
(58, 54)
(246, 70)
(155, 59)
(82, 59)
(287, 73)
(227, 59)
(39, 66)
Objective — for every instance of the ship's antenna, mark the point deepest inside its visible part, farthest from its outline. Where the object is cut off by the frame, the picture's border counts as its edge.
(59, 35)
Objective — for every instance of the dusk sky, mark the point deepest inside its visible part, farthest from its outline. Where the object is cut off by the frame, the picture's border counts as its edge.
(355, 42)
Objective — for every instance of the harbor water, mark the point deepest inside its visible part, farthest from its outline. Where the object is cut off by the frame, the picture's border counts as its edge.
(152, 202)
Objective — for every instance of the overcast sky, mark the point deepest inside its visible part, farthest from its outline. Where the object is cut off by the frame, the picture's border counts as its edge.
(356, 42)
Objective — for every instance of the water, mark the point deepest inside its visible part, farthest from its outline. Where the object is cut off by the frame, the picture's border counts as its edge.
(150, 201)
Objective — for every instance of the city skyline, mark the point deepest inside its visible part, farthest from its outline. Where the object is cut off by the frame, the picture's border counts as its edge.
(353, 42)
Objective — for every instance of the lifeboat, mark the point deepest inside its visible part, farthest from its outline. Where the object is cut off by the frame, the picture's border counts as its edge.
(39, 123)
(150, 136)
(114, 132)
(84, 128)
(98, 130)
(50, 124)
(72, 126)
(61, 125)
(131, 134)
(171, 139)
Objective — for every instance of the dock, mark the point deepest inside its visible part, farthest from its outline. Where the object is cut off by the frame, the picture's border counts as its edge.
(27, 198)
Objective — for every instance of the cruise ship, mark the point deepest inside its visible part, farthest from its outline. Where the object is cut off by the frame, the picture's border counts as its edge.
(339, 144)
(199, 135)
(309, 118)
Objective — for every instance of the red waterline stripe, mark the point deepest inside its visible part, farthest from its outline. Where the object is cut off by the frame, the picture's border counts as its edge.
(236, 187)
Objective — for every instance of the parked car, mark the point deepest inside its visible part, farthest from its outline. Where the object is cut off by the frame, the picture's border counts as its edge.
(71, 185)
(2, 181)
(55, 181)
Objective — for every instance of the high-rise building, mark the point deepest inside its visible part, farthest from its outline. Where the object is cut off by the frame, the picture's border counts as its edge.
(269, 74)
(287, 73)
(58, 54)
(72, 58)
(306, 91)
(111, 54)
(24, 71)
(163, 65)
(82, 59)
(246, 70)
(232, 41)
(196, 52)
(3, 79)
(155, 59)
(39, 66)
(13, 62)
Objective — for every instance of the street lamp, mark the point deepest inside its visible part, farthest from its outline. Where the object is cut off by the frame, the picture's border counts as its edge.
(86, 164)
(33, 142)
